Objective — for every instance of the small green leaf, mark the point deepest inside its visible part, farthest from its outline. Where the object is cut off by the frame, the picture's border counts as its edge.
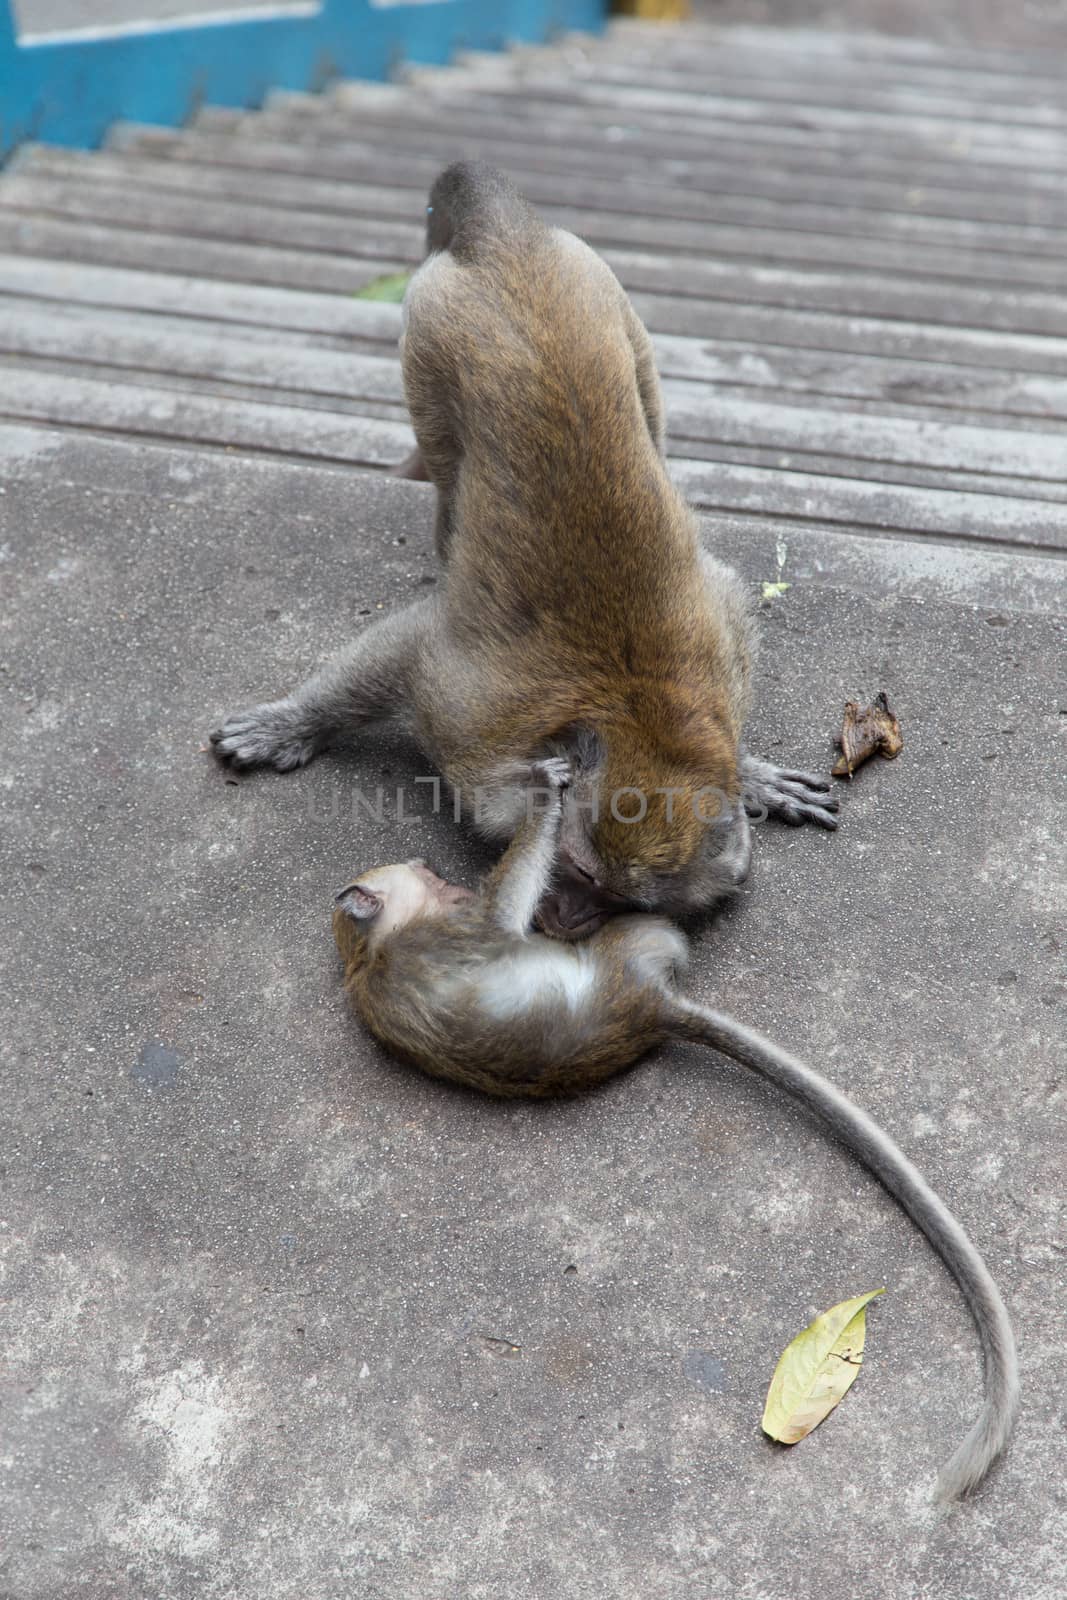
(816, 1369)
(390, 286)
(771, 591)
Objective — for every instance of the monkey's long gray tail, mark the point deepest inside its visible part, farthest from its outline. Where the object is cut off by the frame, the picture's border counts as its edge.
(862, 1135)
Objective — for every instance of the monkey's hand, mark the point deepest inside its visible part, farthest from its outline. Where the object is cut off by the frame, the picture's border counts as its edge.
(794, 797)
(517, 884)
(277, 735)
(552, 772)
(544, 772)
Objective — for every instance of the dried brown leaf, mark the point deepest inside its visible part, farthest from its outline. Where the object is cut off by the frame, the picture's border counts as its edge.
(867, 731)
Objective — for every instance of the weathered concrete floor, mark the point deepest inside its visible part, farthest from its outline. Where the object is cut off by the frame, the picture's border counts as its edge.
(283, 1321)
(264, 1288)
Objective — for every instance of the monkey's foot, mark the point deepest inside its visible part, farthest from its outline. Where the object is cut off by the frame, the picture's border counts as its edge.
(794, 797)
(273, 735)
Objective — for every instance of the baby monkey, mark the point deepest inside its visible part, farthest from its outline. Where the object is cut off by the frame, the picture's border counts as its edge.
(459, 984)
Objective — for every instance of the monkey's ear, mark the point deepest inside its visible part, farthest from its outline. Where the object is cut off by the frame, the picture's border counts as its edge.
(359, 902)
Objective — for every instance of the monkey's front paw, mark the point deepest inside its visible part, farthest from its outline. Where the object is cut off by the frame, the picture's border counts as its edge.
(793, 797)
(273, 735)
(554, 772)
(543, 772)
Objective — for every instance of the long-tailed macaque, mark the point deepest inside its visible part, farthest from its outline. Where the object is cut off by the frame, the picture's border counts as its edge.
(578, 613)
(459, 984)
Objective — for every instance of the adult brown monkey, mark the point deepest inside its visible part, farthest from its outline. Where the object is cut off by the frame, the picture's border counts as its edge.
(579, 614)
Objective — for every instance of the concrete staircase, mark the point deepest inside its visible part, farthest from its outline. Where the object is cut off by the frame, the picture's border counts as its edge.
(850, 251)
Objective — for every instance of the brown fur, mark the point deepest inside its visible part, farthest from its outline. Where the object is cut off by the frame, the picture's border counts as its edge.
(535, 401)
(577, 614)
(395, 986)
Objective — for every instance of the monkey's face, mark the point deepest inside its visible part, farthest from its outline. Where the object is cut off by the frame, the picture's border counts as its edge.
(384, 899)
(720, 866)
(602, 872)
(577, 905)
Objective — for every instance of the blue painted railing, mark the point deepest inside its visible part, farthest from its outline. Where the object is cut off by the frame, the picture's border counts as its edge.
(68, 88)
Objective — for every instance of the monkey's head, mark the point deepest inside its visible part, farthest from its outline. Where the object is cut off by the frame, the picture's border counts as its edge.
(645, 828)
(384, 899)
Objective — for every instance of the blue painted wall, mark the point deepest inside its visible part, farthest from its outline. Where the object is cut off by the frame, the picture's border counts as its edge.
(68, 89)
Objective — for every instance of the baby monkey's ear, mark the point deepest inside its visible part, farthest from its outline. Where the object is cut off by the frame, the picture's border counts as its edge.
(359, 902)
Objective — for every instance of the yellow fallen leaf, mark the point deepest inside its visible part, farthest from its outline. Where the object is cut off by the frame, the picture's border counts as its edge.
(815, 1369)
(771, 591)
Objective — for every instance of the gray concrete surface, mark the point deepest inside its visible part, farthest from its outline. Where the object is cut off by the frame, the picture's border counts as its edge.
(1032, 25)
(59, 16)
(284, 1321)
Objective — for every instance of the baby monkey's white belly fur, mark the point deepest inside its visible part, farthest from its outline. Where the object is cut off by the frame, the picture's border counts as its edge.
(546, 975)
(540, 973)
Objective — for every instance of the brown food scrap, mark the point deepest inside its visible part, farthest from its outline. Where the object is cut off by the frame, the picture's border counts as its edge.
(867, 731)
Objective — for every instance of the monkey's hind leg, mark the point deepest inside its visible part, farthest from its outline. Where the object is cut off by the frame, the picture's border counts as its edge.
(372, 678)
(413, 467)
(428, 355)
(647, 377)
(793, 797)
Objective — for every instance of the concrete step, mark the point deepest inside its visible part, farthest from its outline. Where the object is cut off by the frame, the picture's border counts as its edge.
(386, 157)
(188, 348)
(360, 368)
(644, 142)
(125, 245)
(331, 319)
(686, 216)
(964, 364)
(692, 114)
(718, 76)
(263, 243)
(904, 56)
(773, 61)
(333, 214)
(146, 410)
(952, 516)
(209, 389)
(813, 552)
(725, 479)
(687, 118)
(150, 210)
